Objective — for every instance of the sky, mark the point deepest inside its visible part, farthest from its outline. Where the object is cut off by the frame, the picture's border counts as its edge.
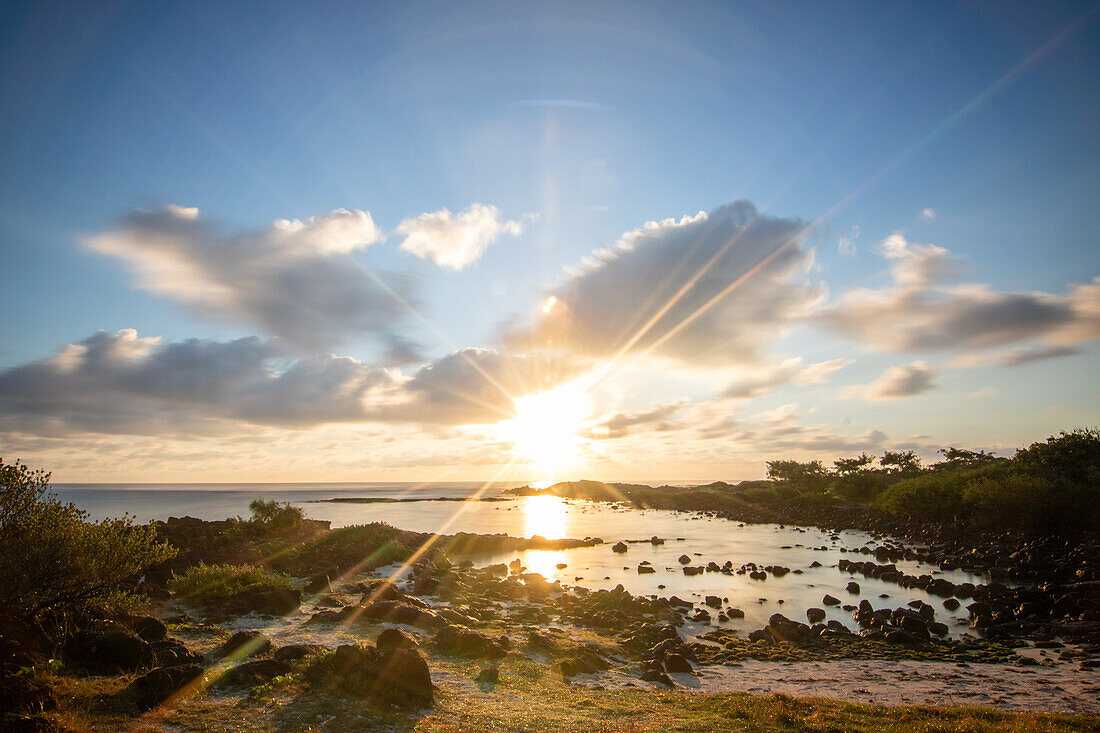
(541, 241)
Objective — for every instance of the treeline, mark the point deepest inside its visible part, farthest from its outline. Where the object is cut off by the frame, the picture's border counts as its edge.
(1050, 486)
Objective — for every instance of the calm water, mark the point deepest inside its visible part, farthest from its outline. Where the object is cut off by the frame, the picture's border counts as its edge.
(702, 538)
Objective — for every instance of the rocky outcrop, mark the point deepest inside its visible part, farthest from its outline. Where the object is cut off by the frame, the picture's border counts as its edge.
(153, 688)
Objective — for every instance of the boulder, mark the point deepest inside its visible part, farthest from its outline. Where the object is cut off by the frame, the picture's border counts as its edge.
(111, 653)
(853, 587)
(253, 673)
(582, 660)
(394, 612)
(393, 677)
(713, 601)
(401, 677)
(815, 615)
(683, 559)
(781, 628)
(677, 664)
(466, 642)
(155, 687)
(170, 652)
(243, 644)
(619, 547)
(900, 636)
(652, 675)
(829, 600)
(294, 652)
(268, 600)
(149, 628)
(395, 639)
(951, 604)
(645, 568)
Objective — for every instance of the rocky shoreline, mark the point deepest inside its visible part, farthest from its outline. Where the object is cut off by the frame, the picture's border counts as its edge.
(350, 624)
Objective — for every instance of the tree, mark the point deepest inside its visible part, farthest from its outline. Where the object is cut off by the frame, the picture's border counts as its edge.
(903, 462)
(808, 476)
(962, 458)
(847, 466)
(54, 561)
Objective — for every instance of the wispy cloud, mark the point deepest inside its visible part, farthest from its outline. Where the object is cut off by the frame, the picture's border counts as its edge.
(895, 382)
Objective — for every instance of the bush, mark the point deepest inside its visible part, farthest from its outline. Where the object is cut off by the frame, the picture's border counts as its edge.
(275, 515)
(1069, 458)
(861, 486)
(53, 561)
(935, 496)
(204, 582)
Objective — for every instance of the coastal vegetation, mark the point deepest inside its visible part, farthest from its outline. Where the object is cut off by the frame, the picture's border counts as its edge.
(55, 565)
(1050, 487)
(204, 582)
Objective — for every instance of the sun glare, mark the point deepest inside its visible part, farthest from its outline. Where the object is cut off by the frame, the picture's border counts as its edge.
(545, 432)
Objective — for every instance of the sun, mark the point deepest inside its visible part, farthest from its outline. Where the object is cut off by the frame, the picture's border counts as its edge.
(546, 431)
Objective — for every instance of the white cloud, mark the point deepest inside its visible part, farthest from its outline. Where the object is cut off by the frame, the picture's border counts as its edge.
(455, 241)
(895, 382)
(928, 214)
(294, 279)
(702, 290)
(917, 312)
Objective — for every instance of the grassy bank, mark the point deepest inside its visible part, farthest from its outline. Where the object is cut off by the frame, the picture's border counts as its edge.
(531, 698)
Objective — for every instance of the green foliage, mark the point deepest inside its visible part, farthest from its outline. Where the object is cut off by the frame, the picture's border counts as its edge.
(860, 486)
(209, 582)
(936, 496)
(903, 462)
(52, 560)
(1070, 458)
(275, 515)
(364, 546)
(960, 458)
(849, 466)
(808, 476)
(1050, 486)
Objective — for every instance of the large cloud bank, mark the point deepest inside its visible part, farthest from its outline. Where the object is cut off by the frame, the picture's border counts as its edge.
(124, 383)
(919, 311)
(709, 289)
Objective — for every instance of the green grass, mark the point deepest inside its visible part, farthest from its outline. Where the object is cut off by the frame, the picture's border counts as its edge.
(208, 582)
(531, 697)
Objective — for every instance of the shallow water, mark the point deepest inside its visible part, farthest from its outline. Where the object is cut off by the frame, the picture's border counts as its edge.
(702, 538)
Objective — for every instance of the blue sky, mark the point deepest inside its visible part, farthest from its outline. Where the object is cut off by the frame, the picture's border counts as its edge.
(969, 127)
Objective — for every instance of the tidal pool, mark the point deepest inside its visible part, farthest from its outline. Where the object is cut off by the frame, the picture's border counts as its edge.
(702, 538)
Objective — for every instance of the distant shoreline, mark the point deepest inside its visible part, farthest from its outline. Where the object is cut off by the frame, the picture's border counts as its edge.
(392, 500)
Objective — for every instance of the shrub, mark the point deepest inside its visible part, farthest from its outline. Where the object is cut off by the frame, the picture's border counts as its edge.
(274, 514)
(1072, 457)
(53, 561)
(209, 582)
(936, 496)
